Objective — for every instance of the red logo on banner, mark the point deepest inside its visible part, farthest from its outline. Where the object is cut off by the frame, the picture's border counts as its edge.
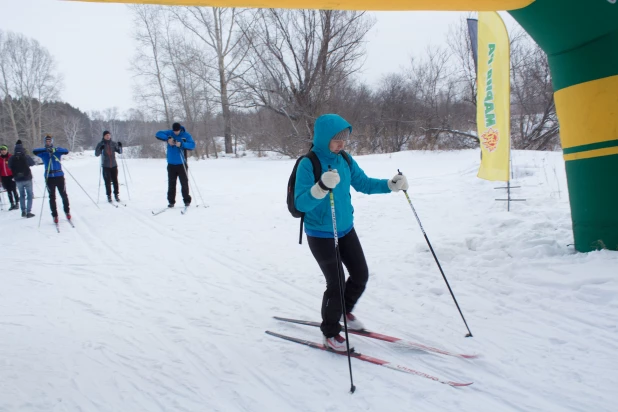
(490, 139)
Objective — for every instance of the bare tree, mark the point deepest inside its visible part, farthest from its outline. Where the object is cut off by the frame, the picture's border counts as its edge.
(72, 128)
(534, 124)
(219, 30)
(148, 63)
(298, 57)
(5, 89)
(29, 82)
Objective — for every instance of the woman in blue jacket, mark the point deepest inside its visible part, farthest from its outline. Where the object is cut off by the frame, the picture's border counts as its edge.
(330, 134)
(54, 176)
(178, 142)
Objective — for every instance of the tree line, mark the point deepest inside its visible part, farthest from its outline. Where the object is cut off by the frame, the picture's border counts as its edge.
(260, 77)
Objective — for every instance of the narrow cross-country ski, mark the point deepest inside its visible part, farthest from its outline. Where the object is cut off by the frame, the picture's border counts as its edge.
(386, 338)
(184, 210)
(71, 223)
(112, 204)
(370, 359)
(57, 226)
(158, 212)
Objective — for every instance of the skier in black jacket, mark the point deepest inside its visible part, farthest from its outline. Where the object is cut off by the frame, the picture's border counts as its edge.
(20, 164)
(108, 148)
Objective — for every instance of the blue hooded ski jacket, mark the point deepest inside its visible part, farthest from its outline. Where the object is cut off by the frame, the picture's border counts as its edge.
(53, 168)
(175, 155)
(318, 217)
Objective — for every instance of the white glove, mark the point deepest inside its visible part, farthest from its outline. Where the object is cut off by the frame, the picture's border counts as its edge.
(327, 182)
(397, 183)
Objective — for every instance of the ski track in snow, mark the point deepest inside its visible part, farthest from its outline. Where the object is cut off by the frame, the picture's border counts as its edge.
(134, 312)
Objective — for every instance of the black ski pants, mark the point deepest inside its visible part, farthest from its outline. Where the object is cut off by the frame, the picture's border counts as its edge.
(54, 183)
(11, 189)
(110, 176)
(353, 258)
(177, 172)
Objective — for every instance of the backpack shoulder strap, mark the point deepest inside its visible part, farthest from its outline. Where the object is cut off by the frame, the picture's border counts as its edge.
(315, 162)
(347, 158)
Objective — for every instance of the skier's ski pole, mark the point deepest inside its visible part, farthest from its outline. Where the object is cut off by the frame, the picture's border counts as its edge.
(80, 186)
(124, 170)
(45, 189)
(341, 283)
(187, 171)
(99, 192)
(124, 162)
(469, 335)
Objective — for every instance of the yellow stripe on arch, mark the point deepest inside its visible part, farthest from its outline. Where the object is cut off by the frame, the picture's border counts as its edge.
(588, 112)
(591, 153)
(382, 5)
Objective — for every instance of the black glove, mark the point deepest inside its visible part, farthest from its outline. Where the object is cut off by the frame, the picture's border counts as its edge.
(50, 149)
(119, 144)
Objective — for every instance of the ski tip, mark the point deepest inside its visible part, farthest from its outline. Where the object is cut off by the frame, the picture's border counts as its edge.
(459, 385)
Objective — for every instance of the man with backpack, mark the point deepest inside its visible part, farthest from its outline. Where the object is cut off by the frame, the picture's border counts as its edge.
(54, 176)
(20, 165)
(107, 148)
(178, 142)
(7, 177)
(338, 172)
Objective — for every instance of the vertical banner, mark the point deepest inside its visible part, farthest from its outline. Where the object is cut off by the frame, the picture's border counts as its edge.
(493, 108)
(473, 32)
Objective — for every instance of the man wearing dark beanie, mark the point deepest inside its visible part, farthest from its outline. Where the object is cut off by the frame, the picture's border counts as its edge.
(20, 164)
(178, 142)
(107, 149)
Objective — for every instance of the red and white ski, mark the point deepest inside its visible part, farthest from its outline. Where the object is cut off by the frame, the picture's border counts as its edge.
(386, 338)
(369, 359)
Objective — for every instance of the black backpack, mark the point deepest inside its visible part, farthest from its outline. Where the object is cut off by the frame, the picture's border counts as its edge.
(317, 173)
(21, 170)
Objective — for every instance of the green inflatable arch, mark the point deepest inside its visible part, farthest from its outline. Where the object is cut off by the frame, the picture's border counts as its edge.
(581, 39)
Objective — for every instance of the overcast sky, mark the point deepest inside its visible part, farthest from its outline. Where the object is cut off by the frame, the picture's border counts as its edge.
(92, 44)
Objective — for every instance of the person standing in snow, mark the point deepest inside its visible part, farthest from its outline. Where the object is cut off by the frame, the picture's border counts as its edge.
(54, 176)
(330, 134)
(7, 177)
(108, 148)
(20, 164)
(178, 142)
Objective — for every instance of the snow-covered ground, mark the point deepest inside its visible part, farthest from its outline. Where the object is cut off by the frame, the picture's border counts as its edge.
(130, 312)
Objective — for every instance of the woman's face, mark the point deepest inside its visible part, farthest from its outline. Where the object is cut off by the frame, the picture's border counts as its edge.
(336, 146)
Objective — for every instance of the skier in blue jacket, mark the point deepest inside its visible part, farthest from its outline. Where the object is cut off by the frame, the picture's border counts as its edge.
(54, 176)
(330, 134)
(178, 142)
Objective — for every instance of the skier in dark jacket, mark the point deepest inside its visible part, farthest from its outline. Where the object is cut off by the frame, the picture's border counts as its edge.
(20, 164)
(330, 134)
(178, 142)
(107, 149)
(7, 177)
(54, 176)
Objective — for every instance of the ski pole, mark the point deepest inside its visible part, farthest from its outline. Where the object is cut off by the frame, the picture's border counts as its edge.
(45, 189)
(124, 171)
(341, 283)
(124, 162)
(99, 192)
(469, 335)
(188, 172)
(80, 186)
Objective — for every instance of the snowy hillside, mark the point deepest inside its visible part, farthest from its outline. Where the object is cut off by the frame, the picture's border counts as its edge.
(132, 312)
